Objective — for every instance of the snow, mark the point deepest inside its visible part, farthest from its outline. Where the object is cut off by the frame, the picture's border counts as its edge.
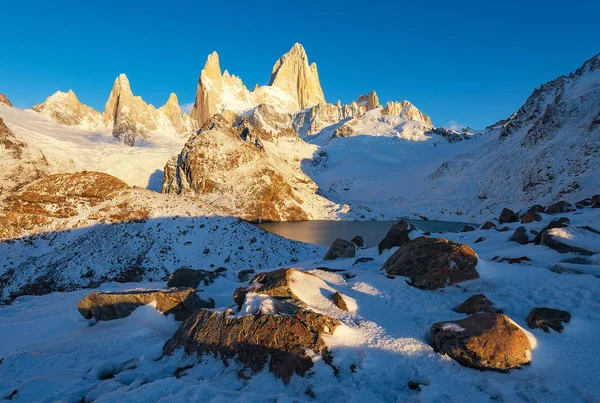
(50, 352)
(577, 237)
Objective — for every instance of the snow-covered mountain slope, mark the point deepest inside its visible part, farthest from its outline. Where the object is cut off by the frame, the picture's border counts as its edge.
(73, 149)
(548, 150)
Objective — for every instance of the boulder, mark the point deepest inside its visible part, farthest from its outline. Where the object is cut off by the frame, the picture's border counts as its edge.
(511, 260)
(507, 215)
(362, 260)
(432, 263)
(560, 269)
(468, 228)
(275, 284)
(503, 229)
(359, 242)
(181, 302)
(475, 304)
(255, 340)
(557, 223)
(397, 235)
(546, 318)
(340, 249)
(192, 278)
(484, 341)
(338, 300)
(559, 207)
(584, 203)
(596, 201)
(555, 239)
(244, 275)
(488, 225)
(530, 217)
(480, 239)
(520, 236)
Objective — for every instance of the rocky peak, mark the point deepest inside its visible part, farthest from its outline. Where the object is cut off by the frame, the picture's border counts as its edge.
(406, 110)
(173, 112)
(4, 100)
(369, 101)
(294, 75)
(66, 109)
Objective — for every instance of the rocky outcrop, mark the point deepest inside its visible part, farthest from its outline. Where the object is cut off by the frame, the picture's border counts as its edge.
(485, 341)
(65, 109)
(233, 164)
(181, 302)
(547, 318)
(433, 263)
(561, 240)
(292, 74)
(185, 277)
(4, 100)
(397, 235)
(408, 111)
(279, 341)
(369, 101)
(340, 249)
(476, 304)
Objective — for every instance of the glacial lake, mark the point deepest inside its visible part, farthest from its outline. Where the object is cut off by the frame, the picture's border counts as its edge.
(324, 232)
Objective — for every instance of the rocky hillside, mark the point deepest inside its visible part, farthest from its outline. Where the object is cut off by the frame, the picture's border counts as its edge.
(252, 172)
(548, 150)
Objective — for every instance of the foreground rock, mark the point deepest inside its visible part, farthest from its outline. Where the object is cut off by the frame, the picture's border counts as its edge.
(546, 318)
(338, 300)
(276, 284)
(192, 278)
(475, 304)
(432, 263)
(181, 302)
(340, 249)
(255, 340)
(485, 341)
(397, 235)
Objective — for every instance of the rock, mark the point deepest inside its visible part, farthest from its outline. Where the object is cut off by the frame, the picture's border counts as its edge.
(577, 260)
(475, 304)
(4, 100)
(584, 203)
(488, 225)
(296, 77)
(530, 217)
(556, 223)
(484, 341)
(560, 269)
(511, 260)
(468, 228)
(369, 101)
(191, 278)
(480, 239)
(181, 302)
(65, 109)
(338, 300)
(275, 284)
(255, 340)
(408, 111)
(559, 207)
(359, 242)
(397, 235)
(507, 215)
(432, 263)
(503, 229)
(596, 201)
(546, 318)
(553, 239)
(340, 249)
(520, 236)
(362, 260)
(244, 275)
(591, 229)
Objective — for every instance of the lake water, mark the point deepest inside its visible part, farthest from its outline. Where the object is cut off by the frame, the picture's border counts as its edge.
(324, 232)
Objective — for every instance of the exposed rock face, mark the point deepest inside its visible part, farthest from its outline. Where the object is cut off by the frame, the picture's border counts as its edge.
(507, 215)
(255, 340)
(340, 249)
(171, 110)
(559, 207)
(369, 101)
(4, 100)
(408, 111)
(432, 263)
(397, 235)
(181, 302)
(234, 163)
(65, 109)
(476, 304)
(191, 278)
(546, 318)
(485, 341)
(296, 77)
(520, 236)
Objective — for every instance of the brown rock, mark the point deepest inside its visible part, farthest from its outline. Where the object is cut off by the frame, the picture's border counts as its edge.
(4, 100)
(507, 215)
(192, 278)
(468, 228)
(340, 249)
(338, 300)
(397, 235)
(433, 263)
(255, 340)
(480, 239)
(530, 217)
(596, 201)
(485, 341)
(520, 236)
(181, 302)
(559, 207)
(275, 284)
(475, 304)
(488, 225)
(556, 223)
(359, 242)
(244, 275)
(546, 318)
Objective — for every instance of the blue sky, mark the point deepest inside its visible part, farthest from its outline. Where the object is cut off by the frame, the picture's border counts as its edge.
(467, 62)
